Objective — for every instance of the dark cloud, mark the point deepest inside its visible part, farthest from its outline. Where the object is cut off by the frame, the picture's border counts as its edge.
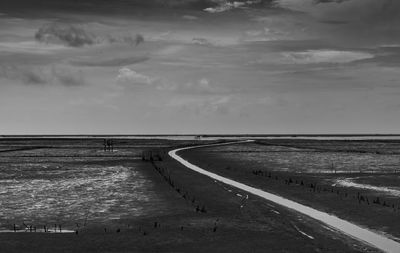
(117, 6)
(112, 62)
(75, 35)
(104, 5)
(352, 22)
(370, 11)
(71, 35)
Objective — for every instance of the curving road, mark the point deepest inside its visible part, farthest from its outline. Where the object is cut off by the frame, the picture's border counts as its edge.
(374, 239)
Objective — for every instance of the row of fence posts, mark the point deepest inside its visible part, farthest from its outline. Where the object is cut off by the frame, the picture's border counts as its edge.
(32, 228)
(165, 173)
(316, 188)
(153, 156)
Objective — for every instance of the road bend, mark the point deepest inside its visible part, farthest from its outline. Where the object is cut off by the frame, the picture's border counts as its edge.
(375, 239)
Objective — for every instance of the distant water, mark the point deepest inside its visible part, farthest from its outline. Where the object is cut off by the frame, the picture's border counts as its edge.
(213, 137)
(349, 182)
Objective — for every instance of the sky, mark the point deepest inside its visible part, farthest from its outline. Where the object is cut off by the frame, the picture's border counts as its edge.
(199, 67)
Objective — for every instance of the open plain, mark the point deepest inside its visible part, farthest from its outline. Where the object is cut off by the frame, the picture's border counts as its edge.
(137, 199)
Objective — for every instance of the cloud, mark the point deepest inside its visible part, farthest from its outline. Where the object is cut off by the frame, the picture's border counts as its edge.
(205, 106)
(224, 5)
(368, 11)
(329, 1)
(128, 76)
(352, 23)
(68, 76)
(266, 34)
(326, 56)
(45, 75)
(190, 17)
(386, 55)
(202, 86)
(106, 6)
(70, 35)
(125, 6)
(224, 104)
(201, 41)
(74, 35)
(31, 47)
(112, 62)
(135, 40)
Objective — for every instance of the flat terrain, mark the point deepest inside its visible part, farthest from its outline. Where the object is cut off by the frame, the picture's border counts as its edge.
(119, 203)
(355, 180)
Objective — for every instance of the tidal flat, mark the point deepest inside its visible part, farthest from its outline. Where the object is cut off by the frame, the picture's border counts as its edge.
(355, 180)
(136, 198)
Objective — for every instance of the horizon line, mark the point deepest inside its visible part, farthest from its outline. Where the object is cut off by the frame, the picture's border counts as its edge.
(205, 135)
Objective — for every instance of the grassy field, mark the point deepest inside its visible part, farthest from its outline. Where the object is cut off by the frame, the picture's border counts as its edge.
(118, 203)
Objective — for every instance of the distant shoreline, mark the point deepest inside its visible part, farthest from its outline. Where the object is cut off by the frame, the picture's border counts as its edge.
(202, 135)
(210, 136)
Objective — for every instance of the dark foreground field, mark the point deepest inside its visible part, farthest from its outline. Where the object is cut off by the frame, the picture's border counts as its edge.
(355, 180)
(181, 211)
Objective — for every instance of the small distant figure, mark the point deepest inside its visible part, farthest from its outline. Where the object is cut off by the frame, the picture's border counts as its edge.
(118, 230)
(108, 145)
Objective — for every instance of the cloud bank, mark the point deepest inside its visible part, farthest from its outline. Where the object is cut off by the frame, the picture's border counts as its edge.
(326, 56)
(45, 75)
(71, 35)
(75, 35)
(131, 6)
